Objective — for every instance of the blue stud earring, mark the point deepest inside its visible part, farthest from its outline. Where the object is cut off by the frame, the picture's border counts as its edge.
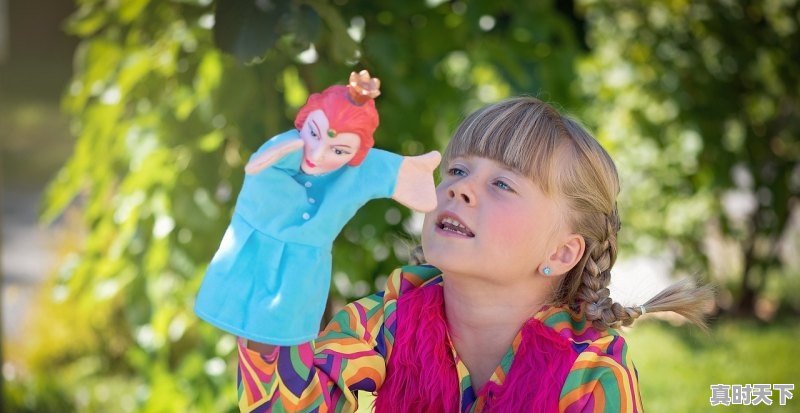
(547, 270)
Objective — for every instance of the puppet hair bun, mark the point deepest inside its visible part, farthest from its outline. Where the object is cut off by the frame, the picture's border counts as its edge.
(362, 88)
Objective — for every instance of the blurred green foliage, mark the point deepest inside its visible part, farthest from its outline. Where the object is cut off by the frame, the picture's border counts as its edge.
(170, 97)
(699, 102)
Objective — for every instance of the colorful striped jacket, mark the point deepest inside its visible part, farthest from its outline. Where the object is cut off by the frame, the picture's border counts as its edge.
(350, 354)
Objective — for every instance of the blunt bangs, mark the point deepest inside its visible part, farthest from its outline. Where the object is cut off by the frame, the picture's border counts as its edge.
(523, 134)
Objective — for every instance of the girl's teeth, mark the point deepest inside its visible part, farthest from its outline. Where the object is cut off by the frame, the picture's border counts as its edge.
(453, 222)
(456, 231)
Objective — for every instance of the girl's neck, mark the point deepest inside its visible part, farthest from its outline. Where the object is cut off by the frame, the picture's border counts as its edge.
(474, 305)
(484, 318)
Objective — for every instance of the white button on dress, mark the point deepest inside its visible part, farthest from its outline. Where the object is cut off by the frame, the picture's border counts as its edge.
(306, 216)
(308, 184)
(311, 200)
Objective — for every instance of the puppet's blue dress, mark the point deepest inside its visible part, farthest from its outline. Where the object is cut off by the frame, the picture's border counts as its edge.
(270, 277)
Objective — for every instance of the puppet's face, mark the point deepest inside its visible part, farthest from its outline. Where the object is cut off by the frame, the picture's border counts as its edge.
(321, 152)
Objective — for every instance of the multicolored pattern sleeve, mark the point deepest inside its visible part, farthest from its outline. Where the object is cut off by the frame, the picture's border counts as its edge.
(321, 375)
(602, 380)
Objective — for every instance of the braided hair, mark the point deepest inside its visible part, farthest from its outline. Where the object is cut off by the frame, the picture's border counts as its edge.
(590, 191)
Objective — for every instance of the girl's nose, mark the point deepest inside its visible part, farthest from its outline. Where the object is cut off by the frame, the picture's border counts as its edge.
(462, 191)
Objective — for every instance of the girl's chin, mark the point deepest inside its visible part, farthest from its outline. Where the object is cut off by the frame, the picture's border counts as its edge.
(447, 261)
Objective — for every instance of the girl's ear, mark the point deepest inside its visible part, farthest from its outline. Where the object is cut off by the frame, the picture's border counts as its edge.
(567, 255)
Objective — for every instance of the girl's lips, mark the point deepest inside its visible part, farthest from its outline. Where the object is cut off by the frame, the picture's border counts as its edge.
(451, 229)
(309, 163)
(448, 233)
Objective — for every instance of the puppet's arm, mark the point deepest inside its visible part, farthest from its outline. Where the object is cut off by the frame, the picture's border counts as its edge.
(272, 155)
(415, 187)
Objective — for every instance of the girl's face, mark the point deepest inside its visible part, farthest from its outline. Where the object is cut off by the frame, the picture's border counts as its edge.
(321, 153)
(489, 222)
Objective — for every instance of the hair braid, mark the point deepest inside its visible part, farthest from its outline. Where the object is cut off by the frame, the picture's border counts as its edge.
(593, 291)
(603, 312)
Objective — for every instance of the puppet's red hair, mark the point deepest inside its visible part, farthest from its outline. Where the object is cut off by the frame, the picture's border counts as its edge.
(344, 116)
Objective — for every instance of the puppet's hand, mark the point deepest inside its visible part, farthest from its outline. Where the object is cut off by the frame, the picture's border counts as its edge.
(272, 155)
(415, 188)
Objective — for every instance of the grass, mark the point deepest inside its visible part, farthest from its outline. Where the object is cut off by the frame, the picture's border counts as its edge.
(677, 364)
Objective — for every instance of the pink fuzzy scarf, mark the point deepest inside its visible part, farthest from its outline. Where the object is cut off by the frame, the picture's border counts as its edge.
(421, 374)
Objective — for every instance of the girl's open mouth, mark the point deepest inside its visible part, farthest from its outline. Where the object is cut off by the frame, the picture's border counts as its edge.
(450, 223)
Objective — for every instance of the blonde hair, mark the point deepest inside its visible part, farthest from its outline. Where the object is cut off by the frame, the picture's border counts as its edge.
(569, 165)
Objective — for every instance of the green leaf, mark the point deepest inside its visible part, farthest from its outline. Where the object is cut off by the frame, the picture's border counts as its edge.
(342, 47)
(247, 29)
(129, 10)
(211, 141)
(136, 65)
(87, 20)
(208, 75)
(305, 24)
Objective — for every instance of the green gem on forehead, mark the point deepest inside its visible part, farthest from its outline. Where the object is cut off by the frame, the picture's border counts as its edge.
(331, 133)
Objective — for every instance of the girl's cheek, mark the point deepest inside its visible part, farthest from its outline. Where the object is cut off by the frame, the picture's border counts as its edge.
(441, 191)
(507, 223)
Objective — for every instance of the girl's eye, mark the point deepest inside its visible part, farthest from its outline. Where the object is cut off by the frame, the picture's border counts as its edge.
(504, 186)
(313, 133)
(338, 151)
(457, 172)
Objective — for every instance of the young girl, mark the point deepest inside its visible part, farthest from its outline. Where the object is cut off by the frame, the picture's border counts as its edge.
(512, 314)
